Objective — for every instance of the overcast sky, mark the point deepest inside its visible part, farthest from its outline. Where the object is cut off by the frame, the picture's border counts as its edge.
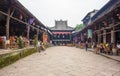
(47, 11)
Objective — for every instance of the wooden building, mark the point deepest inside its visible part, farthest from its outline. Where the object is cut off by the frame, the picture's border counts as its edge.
(82, 35)
(61, 33)
(15, 21)
(104, 24)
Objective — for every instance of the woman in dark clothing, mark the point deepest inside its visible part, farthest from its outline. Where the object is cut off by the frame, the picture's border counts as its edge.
(86, 46)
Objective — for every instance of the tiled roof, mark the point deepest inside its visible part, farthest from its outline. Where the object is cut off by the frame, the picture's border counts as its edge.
(105, 9)
(61, 25)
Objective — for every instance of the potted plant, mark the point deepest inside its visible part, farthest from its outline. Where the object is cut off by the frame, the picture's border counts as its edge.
(20, 42)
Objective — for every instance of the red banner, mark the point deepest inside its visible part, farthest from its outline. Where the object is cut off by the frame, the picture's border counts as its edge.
(45, 37)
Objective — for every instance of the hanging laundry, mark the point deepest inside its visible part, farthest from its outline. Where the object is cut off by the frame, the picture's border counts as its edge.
(31, 20)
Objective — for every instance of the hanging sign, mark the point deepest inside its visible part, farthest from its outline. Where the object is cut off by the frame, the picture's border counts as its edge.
(89, 33)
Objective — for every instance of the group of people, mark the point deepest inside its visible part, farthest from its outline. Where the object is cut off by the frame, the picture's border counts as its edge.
(103, 48)
(14, 40)
(106, 48)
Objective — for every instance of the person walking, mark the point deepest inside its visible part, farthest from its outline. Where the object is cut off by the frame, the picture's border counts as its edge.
(86, 46)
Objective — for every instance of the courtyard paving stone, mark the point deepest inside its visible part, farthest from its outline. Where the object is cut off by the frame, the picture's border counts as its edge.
(63, 61)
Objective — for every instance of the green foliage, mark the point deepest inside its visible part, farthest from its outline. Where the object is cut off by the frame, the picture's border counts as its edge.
(10, 58)
(20, 42)
(79, 26)
(28, 52)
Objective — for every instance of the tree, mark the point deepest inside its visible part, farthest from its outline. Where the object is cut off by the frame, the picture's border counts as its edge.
(79, 26)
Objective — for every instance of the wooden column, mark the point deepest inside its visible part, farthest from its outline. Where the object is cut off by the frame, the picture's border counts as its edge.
(8, 24)
(98, 36)
(113, 35)
(104, 36)
(28, 34)
(81, 36)
(37, 33)
(28, 31)
(7, 29)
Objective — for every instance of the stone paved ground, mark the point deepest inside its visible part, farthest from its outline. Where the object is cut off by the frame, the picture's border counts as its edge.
(63, 61)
